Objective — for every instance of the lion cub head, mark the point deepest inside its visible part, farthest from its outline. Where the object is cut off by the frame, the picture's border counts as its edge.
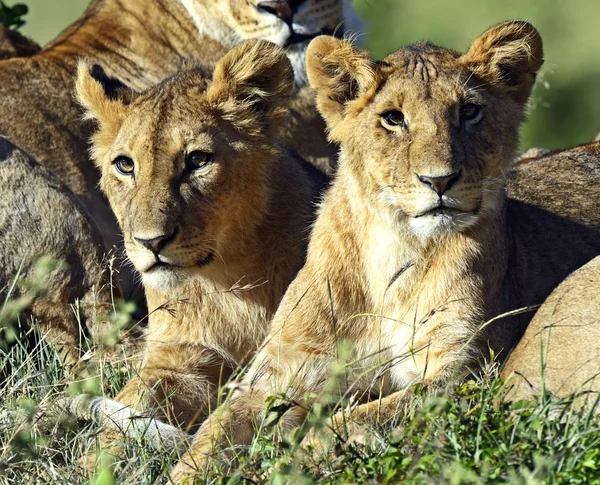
(428, 131)
(184, 164)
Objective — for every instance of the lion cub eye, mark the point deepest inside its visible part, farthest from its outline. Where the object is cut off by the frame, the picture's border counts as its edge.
(470, 111)
(393, 119)
(124, 165)
(198, 160)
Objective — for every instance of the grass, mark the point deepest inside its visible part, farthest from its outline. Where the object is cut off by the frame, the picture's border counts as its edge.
(467, 435)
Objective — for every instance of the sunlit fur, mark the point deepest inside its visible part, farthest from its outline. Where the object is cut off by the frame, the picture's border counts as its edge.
(408, 300)
(429, 87)
(240, 224)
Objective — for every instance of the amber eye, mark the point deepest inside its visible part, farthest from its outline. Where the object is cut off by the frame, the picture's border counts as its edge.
(198, 160)
(470, 111)
(124, 165)
(393, 118)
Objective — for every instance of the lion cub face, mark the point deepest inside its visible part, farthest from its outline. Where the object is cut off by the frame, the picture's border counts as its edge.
(429, 132)
(184, 164)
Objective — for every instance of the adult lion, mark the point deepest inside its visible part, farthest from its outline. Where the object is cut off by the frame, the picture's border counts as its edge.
(416, 244)
(559, 355)
(142, 42)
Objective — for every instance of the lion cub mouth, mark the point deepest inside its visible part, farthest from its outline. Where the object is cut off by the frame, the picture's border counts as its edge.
(443, 210)
(297, 38)
(164, 265)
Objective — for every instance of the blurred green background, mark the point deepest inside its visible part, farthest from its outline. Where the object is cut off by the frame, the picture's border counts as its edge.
(565, 107)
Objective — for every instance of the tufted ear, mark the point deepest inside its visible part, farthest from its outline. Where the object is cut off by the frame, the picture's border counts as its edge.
(339, 72)
(507, 56)
(256, 77)
(103, 97)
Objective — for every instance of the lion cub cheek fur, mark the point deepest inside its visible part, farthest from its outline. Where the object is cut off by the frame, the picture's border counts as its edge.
(237, 223)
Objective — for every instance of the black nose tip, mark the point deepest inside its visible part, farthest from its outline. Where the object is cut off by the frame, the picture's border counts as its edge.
(156, 244)
(282, 9)
(439, 184)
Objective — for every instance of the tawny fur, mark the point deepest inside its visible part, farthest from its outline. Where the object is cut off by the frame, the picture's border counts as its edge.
(36, 202)
(141, 42)
(559, 352)
(239, 226)
(409, 290)
(13, 44)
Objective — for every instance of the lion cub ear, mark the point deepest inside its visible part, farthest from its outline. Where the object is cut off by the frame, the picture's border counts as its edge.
(103, 97)
(256, 77)
(507, 56)
(339, 72)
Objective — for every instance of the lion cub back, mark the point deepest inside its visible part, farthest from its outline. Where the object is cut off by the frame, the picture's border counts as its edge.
(560, 351)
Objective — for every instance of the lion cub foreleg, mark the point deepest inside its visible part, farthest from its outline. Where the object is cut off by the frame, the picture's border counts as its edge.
(177, 383)
(442, 347)
(237, 422)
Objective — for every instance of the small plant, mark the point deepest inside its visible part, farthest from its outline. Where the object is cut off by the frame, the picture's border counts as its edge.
(12, 17)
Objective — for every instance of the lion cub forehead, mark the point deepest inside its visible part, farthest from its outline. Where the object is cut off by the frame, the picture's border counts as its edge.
(184, 87)
(423, 72)
(423, 62)
(180, 99)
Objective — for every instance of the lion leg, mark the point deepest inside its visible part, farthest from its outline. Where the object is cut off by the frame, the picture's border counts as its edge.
(345, 423)
(177, 384)
(236, 422)
(233, 425)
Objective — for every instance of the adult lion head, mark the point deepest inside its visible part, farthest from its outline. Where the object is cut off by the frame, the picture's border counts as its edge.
(291, 24)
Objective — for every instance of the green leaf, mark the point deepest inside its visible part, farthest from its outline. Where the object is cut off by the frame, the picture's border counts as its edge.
(11, 17)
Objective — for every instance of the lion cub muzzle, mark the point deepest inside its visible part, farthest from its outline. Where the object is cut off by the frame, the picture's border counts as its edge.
(439, 184)
(441, 207)
(156, 244)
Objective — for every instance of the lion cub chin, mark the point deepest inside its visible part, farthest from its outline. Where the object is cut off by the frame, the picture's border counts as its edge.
(416, 244)
(214, 215)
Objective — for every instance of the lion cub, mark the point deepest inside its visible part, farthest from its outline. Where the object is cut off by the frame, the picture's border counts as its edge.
(215, 215)
(416, 244)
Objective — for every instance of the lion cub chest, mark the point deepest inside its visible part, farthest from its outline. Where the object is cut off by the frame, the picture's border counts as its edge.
(419, 311)
(233, 323)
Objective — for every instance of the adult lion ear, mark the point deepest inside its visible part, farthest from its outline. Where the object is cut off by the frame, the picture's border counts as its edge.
(507, 56)
(256, 77)
(103, 97)
(340, 73)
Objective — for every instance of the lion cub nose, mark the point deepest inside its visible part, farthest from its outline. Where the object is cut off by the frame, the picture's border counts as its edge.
(439, 184)
(280, 8)
(156, 244)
